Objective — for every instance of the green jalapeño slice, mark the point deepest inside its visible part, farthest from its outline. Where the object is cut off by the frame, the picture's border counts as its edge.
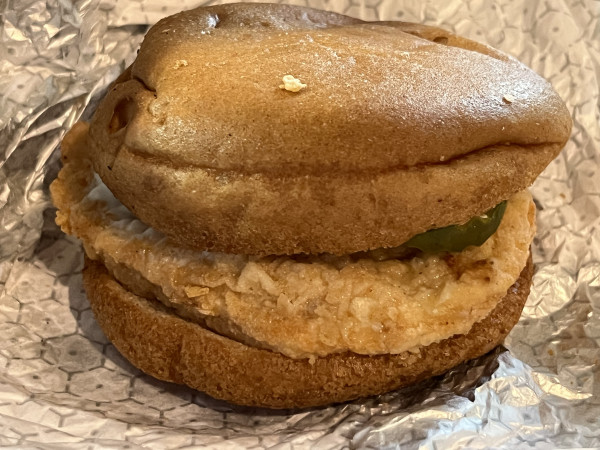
(456, 238)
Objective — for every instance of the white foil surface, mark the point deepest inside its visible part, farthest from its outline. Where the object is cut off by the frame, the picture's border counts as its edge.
(64, 386)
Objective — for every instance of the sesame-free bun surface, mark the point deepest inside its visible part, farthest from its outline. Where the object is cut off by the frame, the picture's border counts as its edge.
(401, 128)
(170, 348)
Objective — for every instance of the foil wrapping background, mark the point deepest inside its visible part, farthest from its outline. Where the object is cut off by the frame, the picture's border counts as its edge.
(63, 385)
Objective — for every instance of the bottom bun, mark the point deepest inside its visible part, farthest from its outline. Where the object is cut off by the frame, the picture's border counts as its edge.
(170, 348)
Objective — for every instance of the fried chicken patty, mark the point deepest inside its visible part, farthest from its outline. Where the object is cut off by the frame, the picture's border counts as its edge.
(299, 306)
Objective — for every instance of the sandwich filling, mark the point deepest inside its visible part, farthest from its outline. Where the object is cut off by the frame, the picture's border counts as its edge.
(303, 307)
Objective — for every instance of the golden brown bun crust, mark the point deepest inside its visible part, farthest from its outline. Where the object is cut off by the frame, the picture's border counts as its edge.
(401, 128)
(170, 348)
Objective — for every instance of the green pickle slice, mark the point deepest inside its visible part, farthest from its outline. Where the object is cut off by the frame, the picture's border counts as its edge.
(456, 238)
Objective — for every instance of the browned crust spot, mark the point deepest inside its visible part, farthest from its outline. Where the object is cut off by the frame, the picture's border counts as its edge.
(173, 349)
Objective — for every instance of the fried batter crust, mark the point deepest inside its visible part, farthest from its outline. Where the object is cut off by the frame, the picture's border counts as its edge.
(301, 307)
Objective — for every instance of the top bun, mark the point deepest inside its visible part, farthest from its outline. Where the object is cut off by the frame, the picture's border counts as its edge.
(400, 128)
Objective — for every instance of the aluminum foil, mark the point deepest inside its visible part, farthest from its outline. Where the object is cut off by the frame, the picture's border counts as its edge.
(63, 385)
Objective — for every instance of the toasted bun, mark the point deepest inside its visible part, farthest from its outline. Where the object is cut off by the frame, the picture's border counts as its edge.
(401, 128)
(173, 349)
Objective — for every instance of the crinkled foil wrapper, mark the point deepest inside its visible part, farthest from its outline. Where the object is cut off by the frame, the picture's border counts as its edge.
(64, 386)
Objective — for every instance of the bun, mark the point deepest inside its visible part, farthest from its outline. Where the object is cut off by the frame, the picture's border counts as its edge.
(173, 349)
(198, 139)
